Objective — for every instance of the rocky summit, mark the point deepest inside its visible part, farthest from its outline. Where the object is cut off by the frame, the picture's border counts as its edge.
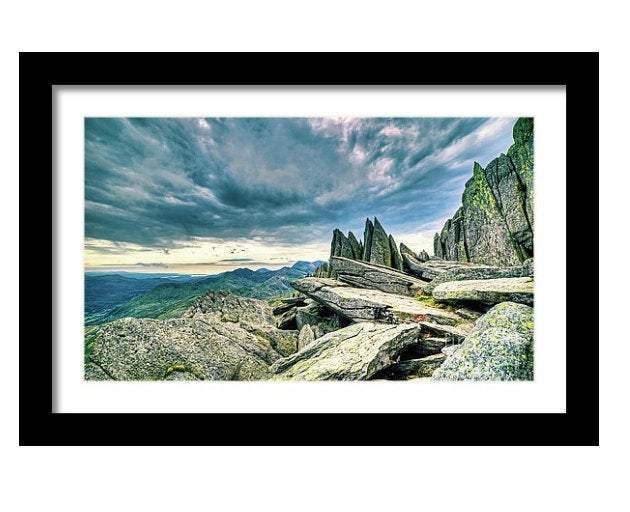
(374, 310)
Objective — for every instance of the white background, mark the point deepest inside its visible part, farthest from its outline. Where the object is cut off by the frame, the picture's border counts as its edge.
(545, 394)
(444, 478)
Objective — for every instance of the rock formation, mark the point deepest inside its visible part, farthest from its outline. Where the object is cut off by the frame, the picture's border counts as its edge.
(377, 247)
(220, 337)
(495, 223)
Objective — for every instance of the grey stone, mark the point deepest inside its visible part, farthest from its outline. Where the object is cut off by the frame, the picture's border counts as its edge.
(412, 368)
(487, 291)
(500, 347)
(396, 260)
(359, 304)
(367, 239)
(380, 252)
(306, 337)
(354, 244)
(495, 223)
(366, 275)
(356, 352)
(220, 337)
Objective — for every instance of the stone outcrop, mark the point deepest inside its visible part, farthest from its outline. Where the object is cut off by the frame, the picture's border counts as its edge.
(495, 223)
(356, 352)
(423, 256)
(220, 337)
(365, 275)
(500, 347)
(487, 291)
(360, 305)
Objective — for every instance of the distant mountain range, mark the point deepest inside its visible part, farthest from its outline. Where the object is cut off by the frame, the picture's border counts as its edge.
(109, 296)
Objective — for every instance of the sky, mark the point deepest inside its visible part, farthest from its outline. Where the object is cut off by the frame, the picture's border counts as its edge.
(206, 195)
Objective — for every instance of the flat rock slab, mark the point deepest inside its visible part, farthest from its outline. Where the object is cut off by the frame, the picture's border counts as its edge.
(377, 277)
(433, 269)
(356, 352)
(360, 305)
(487, 291)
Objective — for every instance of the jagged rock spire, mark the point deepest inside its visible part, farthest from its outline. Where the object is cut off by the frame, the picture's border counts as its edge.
(367, 239)
(354, 244)
(396, 259)
(380, 252)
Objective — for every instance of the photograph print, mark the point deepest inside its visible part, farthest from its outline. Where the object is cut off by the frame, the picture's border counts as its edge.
(307, 249)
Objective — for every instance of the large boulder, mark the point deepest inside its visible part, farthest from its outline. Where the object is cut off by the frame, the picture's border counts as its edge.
(359, 304)
(356, 352)
(366, 275)
(220, 337)
(487, 291)
(500, 347)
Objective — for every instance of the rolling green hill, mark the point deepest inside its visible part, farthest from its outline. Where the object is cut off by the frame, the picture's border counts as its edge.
(170, 299)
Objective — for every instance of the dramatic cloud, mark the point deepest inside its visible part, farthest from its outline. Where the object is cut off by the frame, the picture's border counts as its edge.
(181, 187)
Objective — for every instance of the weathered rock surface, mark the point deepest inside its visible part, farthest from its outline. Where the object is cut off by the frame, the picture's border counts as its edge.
(380, 252)
(467, 273)
(495, 222)
(487, 291)
(500, 347)
(450, 333)
(220, 337)
(412, 368)
(433, 269)
(356, 352)
(359, 304)
(321, 319)
(357, 252)
(396, 260)
(423, 256)
(306, 337)
(288, 303)
(367, 239)
(366, 275)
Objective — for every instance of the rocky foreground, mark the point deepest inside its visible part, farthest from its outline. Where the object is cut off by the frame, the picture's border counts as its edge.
(368, 322)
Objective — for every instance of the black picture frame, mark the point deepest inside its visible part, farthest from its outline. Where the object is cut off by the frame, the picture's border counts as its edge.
(39, 72)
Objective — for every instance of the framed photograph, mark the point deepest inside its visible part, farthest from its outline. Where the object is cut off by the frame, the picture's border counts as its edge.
(317, 252)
